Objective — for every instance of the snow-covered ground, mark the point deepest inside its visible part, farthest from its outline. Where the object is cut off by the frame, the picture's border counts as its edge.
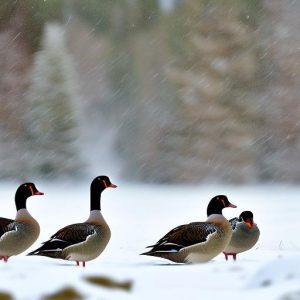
(138, 216)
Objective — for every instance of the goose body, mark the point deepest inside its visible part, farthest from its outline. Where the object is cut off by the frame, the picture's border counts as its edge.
(19, 234)
(85, 241)
(197, 242)
(245, 234)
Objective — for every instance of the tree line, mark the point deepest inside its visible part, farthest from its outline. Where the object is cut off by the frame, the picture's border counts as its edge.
(206, 91)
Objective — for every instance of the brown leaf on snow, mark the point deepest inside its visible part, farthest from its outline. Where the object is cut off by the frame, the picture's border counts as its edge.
(109, 283)
(67, 293)
(5, 296)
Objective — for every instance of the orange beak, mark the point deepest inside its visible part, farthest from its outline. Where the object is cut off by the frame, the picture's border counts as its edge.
(249, 223)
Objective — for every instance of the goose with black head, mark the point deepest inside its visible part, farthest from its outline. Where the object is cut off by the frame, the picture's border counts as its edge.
(82, 242)
(19, 234)
(197, 242)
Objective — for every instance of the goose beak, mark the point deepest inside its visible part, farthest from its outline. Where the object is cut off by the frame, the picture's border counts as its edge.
(38, 193)
(232, 205)
(112, 185)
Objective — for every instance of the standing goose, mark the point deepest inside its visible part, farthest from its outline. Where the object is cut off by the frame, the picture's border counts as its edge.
(81, 241)
(198, 241)
(19, 234)
(245, 234)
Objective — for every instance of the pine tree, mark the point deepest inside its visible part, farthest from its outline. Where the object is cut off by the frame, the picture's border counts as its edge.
(280, 134)
(213, 132)
(50, 118)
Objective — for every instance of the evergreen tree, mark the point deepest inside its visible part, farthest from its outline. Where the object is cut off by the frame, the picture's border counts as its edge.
(213, 132)
(134, 69)
(280, 134)
(21, 24)
(50, 118)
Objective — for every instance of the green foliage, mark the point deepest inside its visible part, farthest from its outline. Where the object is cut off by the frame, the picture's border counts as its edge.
(117, 18)
(216, 67)
(38, 13)
(96, 13)
(175, 28)
(35, 14)
(252, 12)
(6, 11)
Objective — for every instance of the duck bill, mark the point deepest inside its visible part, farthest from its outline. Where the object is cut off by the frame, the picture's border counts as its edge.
(112, 186)
(232, 205)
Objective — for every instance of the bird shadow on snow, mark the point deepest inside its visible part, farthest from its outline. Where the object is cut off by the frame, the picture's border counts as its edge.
(173, 264)
(158, 264)
(62, 264)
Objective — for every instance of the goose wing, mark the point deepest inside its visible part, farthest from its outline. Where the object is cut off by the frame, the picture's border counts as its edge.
(67, 236)
(6, 225)
(75, 233)
(233, 222)
(184, 236)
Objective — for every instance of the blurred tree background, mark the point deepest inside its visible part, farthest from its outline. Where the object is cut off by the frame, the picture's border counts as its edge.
(154, 91)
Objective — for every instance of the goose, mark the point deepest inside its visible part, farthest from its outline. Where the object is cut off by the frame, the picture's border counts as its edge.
(81, 242)
(197, 242)
(245, 234)
(19, 234)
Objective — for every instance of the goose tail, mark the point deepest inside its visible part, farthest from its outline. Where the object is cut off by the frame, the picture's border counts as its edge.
(51, 248)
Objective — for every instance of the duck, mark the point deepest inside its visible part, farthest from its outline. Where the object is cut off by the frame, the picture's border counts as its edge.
(197, 242)
(245, 234)
(81, 242)
(19, 234)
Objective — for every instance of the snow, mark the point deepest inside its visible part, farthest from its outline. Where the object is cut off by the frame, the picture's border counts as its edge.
(138, 216)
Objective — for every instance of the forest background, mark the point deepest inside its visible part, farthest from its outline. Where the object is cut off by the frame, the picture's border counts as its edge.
(152, 91)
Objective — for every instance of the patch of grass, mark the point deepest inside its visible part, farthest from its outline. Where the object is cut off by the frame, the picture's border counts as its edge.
(109, 283)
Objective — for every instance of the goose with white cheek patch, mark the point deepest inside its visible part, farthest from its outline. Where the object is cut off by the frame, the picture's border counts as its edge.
(19, 234)
(197, 242)
(85, 241)
(245, 234)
